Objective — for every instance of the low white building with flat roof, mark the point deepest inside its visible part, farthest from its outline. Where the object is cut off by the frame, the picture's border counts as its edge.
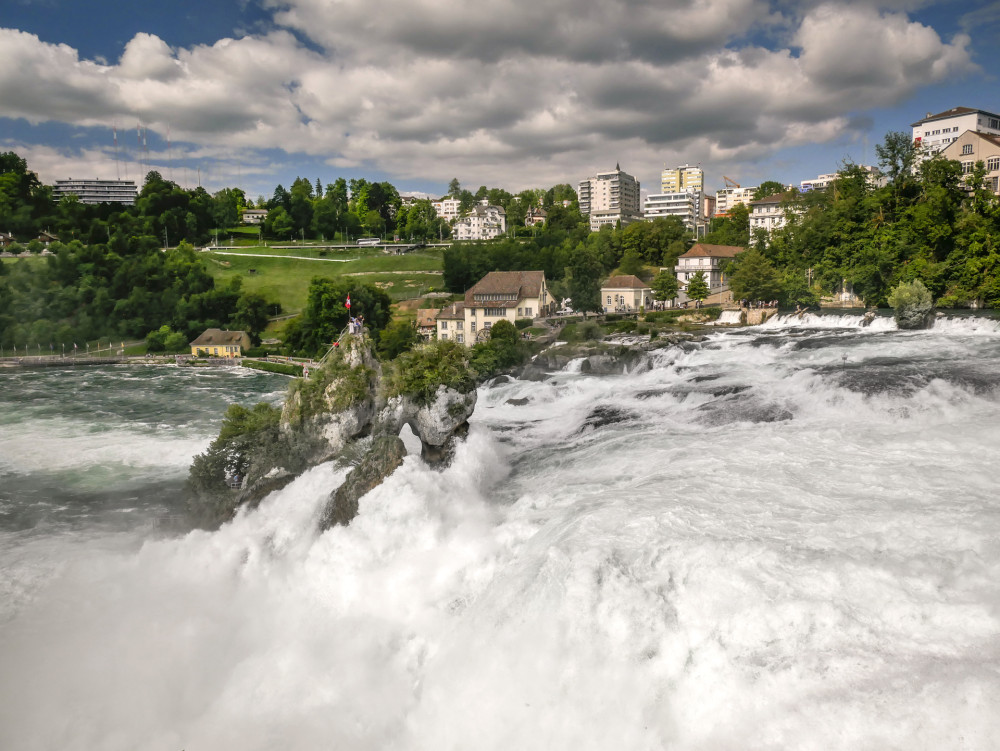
(97, 191)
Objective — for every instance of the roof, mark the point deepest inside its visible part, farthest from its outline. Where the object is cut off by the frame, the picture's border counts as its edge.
(218, 337)
(455, 311)
(521, 283)
(951, 151)
(773, 198)
(426, 317)
(953, 112)
(626, 281)
(713, 251)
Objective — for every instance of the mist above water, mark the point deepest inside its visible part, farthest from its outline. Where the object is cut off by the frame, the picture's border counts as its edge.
(781, 537)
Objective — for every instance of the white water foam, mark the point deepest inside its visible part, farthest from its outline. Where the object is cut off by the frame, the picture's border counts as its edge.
(636, 562)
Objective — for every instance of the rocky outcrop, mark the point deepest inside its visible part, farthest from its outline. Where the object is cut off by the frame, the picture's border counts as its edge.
(381, 459)
(609, 357)
(325, 418)
(436, 423)
(913, 305)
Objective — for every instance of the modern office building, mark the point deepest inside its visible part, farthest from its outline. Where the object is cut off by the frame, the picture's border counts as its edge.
(609, 198)
(97, 191)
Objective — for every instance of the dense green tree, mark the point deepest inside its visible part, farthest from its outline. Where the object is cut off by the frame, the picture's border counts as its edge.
(697, 287)
(585, 272)
(326, 316)
(398, 337)
(665, 286)
(752, 277)
(768, 188)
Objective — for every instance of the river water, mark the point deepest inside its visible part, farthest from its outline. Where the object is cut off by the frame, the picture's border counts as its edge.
(784, 537)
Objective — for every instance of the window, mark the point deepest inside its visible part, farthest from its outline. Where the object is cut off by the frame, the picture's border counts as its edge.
(444, 325)
(994, 122)
(609, 299)
(966, 168)
(472, 327)
(993, 163)
(444, 336)
(519, 312)
(966, 149)
(459, 338)
(527, 312)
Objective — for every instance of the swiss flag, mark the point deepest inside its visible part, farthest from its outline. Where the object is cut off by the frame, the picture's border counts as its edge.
(348, 303)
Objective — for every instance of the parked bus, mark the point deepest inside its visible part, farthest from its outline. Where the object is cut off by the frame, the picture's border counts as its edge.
(369, 240)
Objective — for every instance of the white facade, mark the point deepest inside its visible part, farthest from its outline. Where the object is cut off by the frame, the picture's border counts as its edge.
(684, 205)
(254, 216)
(97, 191)
(482, 223)
(768, 213)
(727, 199)
(935, 132)
(609, 198)
(447, 208)
(822, 182)
(707, 259)
(683, 178)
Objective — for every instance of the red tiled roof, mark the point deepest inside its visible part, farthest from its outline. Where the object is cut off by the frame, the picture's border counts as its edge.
(706, 250)
(522, 284)
(626, 281)
(455, 311)
(218, 337)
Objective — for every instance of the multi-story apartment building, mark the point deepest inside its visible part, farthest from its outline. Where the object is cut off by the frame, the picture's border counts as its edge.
(707, 259)
(609, 198)
(96, 191)
(875, 179)
(683, 178)
(935, 132)
(771, 213)
(684, 205)
(726, 199)
(972, 147)
(481, 223)
(447, 208)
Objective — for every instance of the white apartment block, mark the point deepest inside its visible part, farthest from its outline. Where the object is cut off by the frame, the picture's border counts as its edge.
(683, 178)
(482, 223)
(684, 205)
(447, 208)
(97, 191)
(935, 132)
(727, 199)
(974, 147)
(768, 213)
(609, 198)
(707, 259)
(822, 182)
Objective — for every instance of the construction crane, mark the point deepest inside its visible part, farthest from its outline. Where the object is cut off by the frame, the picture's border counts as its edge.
(730, 183)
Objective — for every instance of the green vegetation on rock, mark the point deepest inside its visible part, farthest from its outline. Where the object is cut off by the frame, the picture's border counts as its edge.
(419, 372)
(912, 305)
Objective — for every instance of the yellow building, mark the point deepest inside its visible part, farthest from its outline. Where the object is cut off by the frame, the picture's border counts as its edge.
(219, 343)
(503, 296)
(683, 179)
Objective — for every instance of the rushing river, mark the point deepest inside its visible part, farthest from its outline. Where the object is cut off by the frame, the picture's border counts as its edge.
(784, 537)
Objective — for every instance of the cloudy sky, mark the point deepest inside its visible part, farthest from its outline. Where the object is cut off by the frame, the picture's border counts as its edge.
(510, 93)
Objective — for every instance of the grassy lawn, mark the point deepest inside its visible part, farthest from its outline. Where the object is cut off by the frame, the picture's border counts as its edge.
(287, 279)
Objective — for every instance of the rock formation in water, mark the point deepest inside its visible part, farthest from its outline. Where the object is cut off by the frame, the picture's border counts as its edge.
(912, 305)
(330, 417)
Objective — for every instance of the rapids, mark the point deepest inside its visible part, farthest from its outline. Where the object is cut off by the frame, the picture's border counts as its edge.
(782, 537)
